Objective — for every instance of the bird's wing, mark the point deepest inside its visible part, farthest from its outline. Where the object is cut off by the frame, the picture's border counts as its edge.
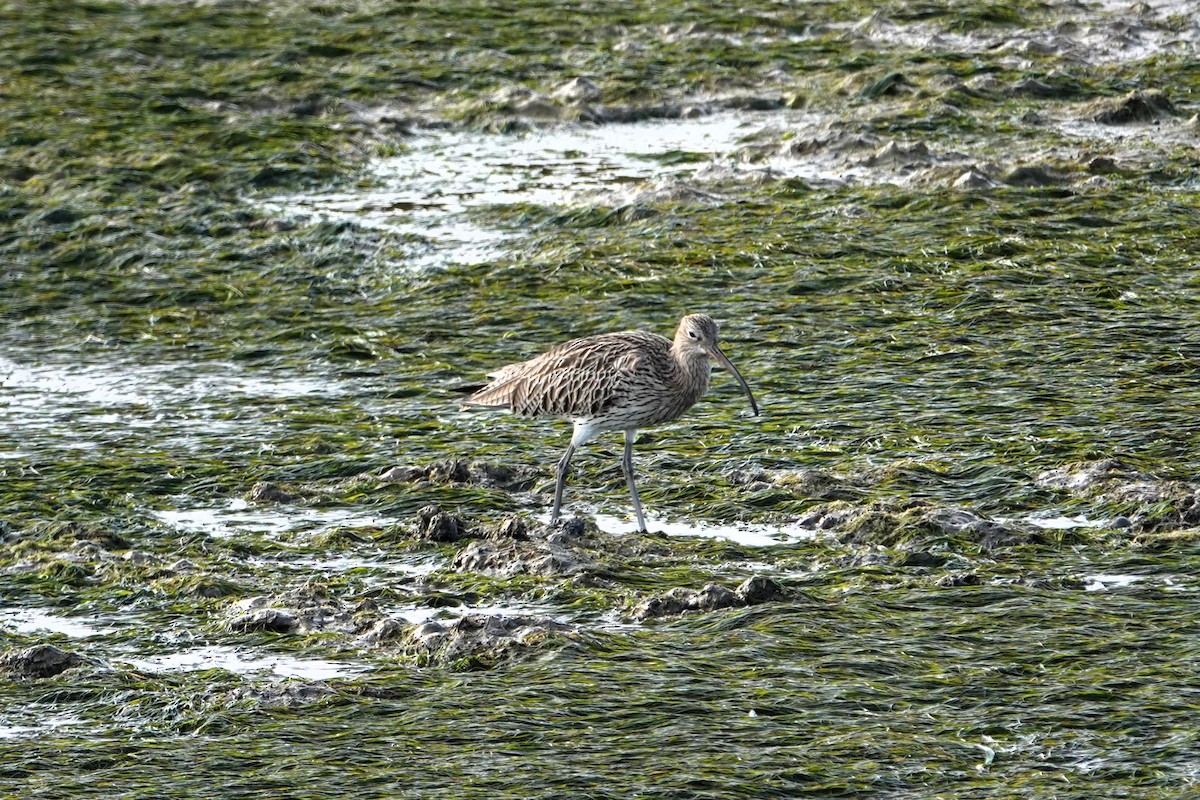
(579, 378)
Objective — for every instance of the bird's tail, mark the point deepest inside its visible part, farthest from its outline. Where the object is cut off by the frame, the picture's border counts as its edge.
(496, 395)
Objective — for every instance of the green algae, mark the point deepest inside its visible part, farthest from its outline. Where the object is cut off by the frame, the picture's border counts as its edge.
(928, 346)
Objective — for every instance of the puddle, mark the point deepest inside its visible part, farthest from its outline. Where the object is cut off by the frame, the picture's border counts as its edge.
(239, 516)
(32, 620)
(245, 663)
(750, 535)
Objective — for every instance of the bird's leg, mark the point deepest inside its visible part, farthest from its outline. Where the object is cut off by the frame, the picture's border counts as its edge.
(627, 465)
(561, 481)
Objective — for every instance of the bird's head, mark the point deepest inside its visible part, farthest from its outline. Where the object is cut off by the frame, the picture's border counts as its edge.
(697, 337)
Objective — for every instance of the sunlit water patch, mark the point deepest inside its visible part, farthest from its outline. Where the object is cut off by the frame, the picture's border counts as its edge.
(38, 620)
(747, 534)
(38, 724)
(428, 192)
(239, 516)
(85, 405)
(418, 614)
(243, 662)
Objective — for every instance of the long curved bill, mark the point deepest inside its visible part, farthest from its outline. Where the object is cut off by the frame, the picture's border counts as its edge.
(728, 366)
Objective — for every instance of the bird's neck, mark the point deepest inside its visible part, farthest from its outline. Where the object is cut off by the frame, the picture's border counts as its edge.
(693, 372)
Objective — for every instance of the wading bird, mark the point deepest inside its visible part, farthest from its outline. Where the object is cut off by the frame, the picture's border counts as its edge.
(611, 382)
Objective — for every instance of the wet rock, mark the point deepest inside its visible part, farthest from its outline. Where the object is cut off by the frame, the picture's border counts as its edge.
(681, 600)
(1161, 505)
(1133, 107)
(384, 630)
(827, 517)
(974, 179)
(1088, 476)
(758, 589)
(957, 579)
(1102, 165)
(1036, 88)
(479, 641)
(577, 90)
(752, 103)
(509, 528)
(1033, 175)
(712, 597)
(567, 531)
(39, 661)
(265, 492)
(921, 558)
(837, 141)
(305, 609)
(95, 534)
(475, 473)
(273, 620)
(967, 524)
(514, 557)
(435, 525)
(896, 155)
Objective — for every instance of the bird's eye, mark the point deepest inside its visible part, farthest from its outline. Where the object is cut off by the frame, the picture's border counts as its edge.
(693, 335)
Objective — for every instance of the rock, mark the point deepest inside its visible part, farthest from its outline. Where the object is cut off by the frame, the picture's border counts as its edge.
(265, 492)
(475, 473)
(306, 609)
(510, 528)
(1084, 476)
(482, 640)
(921, 558)
(894, 154)
(384, 630)
(39, 661)
(1035, 87)
(757, 589)
(1102, 165)
(712, 597)
(435, 525)
(959, 522)
(973, 179)
(577, 90)
(514, 557)
(1133, 107)
(958, 579)
(1033, 175)
(273, 620)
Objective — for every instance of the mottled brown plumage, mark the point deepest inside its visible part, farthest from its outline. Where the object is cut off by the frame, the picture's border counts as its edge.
(611, 382)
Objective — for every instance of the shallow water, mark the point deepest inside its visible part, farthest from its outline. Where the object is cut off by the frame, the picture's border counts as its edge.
(238, 319)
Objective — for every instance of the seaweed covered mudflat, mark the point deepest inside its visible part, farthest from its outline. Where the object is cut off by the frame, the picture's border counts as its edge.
(252, 253)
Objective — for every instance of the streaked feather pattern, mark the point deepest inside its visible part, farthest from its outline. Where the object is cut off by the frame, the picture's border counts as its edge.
(615, 381)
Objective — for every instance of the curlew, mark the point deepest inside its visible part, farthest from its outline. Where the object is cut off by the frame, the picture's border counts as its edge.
(611, 382)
